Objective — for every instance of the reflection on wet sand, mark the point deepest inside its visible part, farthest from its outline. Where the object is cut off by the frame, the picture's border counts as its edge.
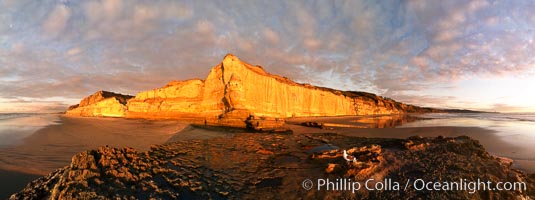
(53, 146)
(387, 121)
(378, 121)
(512, 139)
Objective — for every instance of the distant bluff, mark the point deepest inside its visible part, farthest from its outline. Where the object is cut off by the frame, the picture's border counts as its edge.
(101, 103)
(235, 91)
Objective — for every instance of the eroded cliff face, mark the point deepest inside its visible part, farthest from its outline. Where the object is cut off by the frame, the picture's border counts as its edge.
(234, 91)
(101, 104)
(250, 88)
(176, 99)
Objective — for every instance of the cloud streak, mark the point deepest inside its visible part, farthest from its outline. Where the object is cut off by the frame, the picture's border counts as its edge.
(399, 49)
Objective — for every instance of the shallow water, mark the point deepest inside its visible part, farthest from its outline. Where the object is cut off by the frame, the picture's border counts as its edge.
(40, 143)
(14, 127)
(515, 129)
(502, 134)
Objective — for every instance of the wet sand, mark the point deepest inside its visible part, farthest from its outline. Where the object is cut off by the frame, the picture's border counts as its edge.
(16, 181)
(494, 143)
(53, 146)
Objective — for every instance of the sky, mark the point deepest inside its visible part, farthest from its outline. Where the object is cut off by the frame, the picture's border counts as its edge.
(449, 54)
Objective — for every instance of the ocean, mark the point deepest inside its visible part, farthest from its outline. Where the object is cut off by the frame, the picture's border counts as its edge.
(513, 134)
(516, 129)
(522, 117)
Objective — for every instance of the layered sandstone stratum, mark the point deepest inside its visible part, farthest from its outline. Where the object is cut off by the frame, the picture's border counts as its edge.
(234, 92)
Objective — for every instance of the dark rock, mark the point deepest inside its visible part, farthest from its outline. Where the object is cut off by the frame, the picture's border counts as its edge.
(313, 124)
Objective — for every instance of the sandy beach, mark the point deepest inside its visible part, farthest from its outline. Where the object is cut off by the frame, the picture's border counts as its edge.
(53, 146)
(268, 165)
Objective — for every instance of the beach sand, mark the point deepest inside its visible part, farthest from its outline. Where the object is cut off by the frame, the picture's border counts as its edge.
(53, 146)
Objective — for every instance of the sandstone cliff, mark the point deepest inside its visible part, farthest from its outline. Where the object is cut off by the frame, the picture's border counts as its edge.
(176, 99)
(234, 91)
(101, 103)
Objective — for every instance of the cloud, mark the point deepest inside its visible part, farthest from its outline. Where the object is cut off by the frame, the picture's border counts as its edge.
(393, 48)
(500, 107)
(57, 20)
(205, 27)
(118, 21)
(271, 36)
(74, 51)
(32, 105)
(430, 100)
